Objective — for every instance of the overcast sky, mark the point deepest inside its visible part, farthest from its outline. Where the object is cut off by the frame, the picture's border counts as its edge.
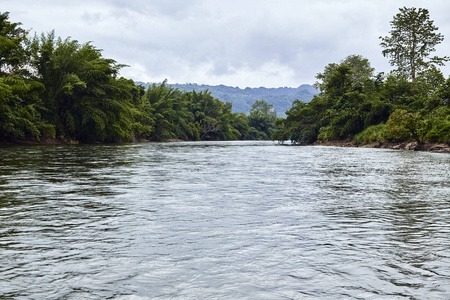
(245, 43)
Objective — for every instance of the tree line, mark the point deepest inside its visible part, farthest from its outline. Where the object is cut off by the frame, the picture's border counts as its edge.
(61, 89)
(54, 88)
(410, 103)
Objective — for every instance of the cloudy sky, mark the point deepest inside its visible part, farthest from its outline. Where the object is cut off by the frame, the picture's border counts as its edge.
(252, 43)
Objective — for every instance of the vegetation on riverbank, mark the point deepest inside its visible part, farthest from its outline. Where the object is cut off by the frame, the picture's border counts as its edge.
(54, 89)
(357, 106)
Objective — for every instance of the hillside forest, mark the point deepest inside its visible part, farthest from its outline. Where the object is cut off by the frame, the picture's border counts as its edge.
(62, 90)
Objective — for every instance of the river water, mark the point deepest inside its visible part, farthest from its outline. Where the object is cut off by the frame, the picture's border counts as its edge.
(223, 220)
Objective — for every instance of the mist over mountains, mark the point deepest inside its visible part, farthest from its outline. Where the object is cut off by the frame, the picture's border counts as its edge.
(242, 99)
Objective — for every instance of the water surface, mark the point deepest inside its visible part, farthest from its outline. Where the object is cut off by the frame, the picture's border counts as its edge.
(223, 220)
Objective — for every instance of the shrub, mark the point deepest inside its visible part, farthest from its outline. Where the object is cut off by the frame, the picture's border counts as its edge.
(437, 126)
(372, 134)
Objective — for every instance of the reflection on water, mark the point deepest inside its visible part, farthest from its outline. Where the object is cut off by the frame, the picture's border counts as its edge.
(227, 220)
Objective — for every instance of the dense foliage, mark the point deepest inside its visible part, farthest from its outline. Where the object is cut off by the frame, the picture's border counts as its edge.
(53, 88)
(61, 89)
(409, 104)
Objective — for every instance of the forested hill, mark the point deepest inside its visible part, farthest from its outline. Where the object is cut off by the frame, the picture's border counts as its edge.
(242, 99)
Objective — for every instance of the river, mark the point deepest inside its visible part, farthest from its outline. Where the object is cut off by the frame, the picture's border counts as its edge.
(223, 220)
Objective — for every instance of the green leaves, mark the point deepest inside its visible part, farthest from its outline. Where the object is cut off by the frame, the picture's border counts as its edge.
(18, 114)
(13, 53)
(262, 118)
(402, 125)
(63, 89)
(412, 38)
(354, 69)
(353, 104)
(173, 114)
(84, 99)
(437, 125)
(50, 87)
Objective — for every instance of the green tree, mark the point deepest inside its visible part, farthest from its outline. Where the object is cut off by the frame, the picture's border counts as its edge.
(302, 122)
(13, 53)
(65, 89)
(437, 125)
(262, 118)
(444, 93)
(161, 100)
(19, 93)
(212, 118)
(84, 99)
(239, 122)
(403, 125)
(359, 66)
(412, 38)
(351, 99)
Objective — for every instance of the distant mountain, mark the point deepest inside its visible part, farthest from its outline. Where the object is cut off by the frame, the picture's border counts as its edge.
(242, 99)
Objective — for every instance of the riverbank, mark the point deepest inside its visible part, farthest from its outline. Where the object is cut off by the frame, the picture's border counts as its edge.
(414, 146)
(431, 147)
(42, 141)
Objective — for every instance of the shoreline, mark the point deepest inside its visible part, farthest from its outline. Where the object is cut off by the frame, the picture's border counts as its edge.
(411, 146)
(43, 141)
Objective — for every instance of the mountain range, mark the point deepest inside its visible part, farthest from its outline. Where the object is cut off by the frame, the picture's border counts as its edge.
(242, 99)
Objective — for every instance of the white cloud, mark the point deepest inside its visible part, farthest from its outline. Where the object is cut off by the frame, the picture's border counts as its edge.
(235, 42)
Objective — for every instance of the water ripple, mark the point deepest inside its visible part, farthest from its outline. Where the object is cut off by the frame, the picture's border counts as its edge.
(223, 220)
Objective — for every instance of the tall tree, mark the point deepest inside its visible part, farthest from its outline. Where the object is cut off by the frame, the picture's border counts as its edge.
(19, 92)
(212, 118)
(162, 101)
(84, 99)
(262, 117)
(13, 55)
(412, 38)
(359, 66)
